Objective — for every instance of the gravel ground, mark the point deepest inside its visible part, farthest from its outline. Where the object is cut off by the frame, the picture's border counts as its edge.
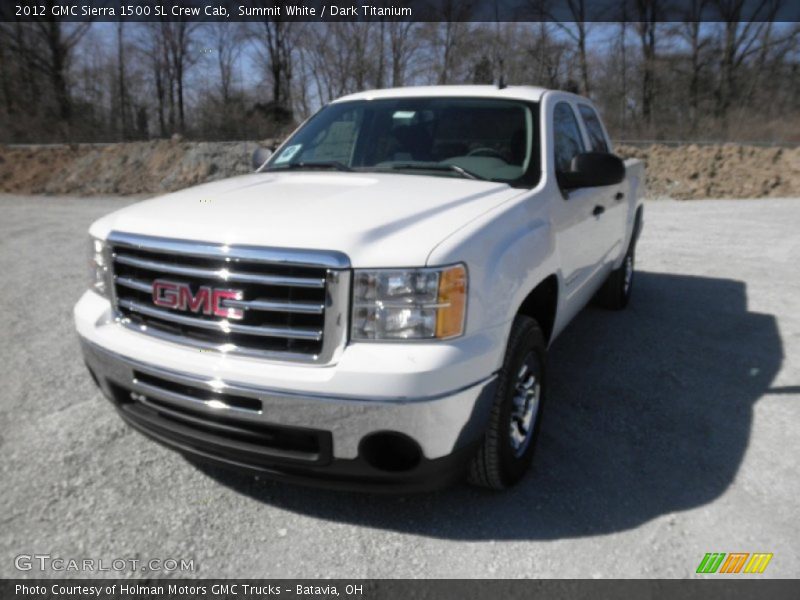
(669, 434)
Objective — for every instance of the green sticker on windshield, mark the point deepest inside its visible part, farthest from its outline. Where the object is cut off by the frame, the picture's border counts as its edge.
(288, 153)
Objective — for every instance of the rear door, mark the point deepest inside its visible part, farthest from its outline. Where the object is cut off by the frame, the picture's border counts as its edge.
(611, 198)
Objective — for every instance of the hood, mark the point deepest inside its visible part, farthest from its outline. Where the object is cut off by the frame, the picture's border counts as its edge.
(377, 219)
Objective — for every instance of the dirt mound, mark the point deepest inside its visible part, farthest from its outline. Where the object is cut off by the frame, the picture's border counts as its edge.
(683, 172)
(719, 171)
(133, 168)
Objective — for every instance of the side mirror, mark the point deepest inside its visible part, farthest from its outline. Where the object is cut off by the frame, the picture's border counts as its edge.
(592, 169)
(260, 156)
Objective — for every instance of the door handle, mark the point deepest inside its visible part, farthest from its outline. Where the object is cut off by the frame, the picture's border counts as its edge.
(598, 210)
(619, 196)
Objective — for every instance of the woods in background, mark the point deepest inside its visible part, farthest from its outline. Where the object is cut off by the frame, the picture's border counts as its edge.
(105, 82)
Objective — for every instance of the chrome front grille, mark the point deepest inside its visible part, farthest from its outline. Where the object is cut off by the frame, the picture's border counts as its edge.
(276, 303)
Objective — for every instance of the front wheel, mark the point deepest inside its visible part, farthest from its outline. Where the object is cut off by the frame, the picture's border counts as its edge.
(507, 448)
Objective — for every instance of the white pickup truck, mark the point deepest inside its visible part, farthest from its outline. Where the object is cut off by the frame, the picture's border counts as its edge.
(373, 306)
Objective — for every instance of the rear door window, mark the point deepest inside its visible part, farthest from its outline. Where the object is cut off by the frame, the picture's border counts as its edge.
(597, 138)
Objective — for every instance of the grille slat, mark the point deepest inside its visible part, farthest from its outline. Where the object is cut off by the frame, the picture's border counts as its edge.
(294, 333)
(135, 284)
(280, 309)
(179, 398)
(271, 306)
(221, 274)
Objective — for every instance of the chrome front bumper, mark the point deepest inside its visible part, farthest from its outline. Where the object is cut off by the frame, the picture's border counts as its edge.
(329, 431)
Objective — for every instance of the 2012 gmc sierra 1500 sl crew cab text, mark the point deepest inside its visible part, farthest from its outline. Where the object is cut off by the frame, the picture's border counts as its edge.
(372, 307)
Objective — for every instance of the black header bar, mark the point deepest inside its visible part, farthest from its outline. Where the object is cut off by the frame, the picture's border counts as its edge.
(399, 10)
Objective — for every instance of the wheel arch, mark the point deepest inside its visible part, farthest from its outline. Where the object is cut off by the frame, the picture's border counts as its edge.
(541, 304)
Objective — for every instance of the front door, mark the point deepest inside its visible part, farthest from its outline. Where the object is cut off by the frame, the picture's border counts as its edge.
(583, 243)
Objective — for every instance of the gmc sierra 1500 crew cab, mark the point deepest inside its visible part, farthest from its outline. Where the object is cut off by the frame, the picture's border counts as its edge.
(372, 307)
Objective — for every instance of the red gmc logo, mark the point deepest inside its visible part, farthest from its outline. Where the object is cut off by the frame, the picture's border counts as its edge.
(207, 300)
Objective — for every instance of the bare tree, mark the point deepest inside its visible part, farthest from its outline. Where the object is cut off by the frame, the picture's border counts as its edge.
(403, 45)
(623, 64)
(6, 78)
(647, 12)
(547, 56)
(576, 29)
(153, 45)
(681, 78)
(690, 30)
(275, 42)
(343, 58)
(121, 87)
(446, 37)
(178, 40)
(450, 34)
(47, 47)
(744, 27)
(227, 39)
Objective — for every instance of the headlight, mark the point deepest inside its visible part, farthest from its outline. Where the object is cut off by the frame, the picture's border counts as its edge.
(409, 304)
(98, 267)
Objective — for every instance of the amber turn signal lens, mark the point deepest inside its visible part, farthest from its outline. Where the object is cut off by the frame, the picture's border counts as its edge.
(452, 302)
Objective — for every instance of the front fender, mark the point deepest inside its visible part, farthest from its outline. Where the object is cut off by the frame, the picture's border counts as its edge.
(508, 252)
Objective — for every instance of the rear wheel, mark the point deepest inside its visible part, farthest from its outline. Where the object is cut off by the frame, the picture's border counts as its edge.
(507, 448)
(616, 291)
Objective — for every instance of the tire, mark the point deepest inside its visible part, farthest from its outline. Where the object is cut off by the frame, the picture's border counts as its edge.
(503, 458)
(616, 291)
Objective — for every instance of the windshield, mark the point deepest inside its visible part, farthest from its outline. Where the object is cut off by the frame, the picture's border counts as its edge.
(448, 137)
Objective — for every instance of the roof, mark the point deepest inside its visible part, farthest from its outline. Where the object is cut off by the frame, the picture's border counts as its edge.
(516, 92)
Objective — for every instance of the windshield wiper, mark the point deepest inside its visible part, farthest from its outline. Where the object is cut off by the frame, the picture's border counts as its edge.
(327, 164)
(437, 167)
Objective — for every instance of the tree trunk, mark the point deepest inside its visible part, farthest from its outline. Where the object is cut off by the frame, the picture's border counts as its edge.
(694, 81)
(624, 83)
(162, 124)
(123, 104)
(57, 73)
(726, 84)
(179, 81)
(647, 24)
(585, 88)
(381, 51)
(5, 80)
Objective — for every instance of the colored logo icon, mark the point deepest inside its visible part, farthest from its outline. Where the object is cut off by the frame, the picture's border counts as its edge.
(734, 562)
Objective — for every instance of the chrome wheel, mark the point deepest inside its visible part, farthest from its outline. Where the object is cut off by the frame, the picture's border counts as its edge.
(524, 406)
(626, 284)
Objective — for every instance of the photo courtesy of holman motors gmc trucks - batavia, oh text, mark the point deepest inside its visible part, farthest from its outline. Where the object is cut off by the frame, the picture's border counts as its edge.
(372, 307)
